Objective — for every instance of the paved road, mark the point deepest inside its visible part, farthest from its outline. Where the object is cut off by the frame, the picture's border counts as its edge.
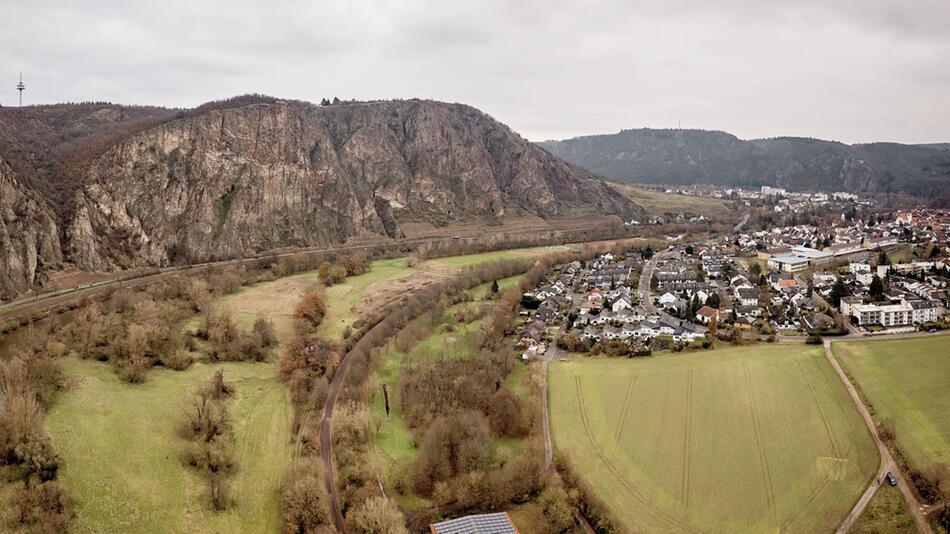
(550, 354)
(646, 298)
(887, 461)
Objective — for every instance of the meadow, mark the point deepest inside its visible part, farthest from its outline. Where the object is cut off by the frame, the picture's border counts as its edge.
(341, 298)
(904, 382)
(474, 259)
(659, 203)
(119, 441)
(751, 439)
(120, 449)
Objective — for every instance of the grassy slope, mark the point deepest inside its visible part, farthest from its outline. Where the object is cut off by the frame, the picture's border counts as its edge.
(658, 203)
(120, 450)
(473, 259)
(905, 381)
(756, 453)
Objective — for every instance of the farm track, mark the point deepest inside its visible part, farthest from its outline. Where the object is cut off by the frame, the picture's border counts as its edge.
(669, 522)
(687, 441)
(626, 407)
(835, 449)
(887, 460)
(760, 443)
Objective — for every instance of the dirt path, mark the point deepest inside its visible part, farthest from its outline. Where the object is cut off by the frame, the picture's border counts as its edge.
(887, 461)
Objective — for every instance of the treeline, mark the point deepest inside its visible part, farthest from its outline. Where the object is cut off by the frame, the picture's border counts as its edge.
(487, 243)
(455, 407)
(209, 435)
(351, 431)
(585, 499)
(29, 380)
(307, 365)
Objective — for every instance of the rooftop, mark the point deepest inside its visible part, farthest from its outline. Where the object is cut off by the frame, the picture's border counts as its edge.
(499, 523)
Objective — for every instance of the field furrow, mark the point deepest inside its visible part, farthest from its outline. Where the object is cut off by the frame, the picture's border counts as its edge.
(738, 440)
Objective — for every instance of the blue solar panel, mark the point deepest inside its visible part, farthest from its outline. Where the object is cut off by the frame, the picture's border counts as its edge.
(477, 524)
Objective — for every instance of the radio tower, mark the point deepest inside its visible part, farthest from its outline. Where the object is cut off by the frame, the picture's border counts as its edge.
(20, 87)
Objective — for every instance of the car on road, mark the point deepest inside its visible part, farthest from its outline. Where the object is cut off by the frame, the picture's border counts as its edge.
(890, 479)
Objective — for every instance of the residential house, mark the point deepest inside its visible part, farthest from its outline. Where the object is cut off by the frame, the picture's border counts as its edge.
(707, 314)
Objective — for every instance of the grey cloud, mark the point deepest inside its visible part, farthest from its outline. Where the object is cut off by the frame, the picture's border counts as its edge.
(853, 70)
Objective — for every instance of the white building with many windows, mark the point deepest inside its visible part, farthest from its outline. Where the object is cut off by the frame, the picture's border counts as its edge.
(903, 314)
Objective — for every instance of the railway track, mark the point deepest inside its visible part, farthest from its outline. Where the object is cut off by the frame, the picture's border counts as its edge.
(29, 306)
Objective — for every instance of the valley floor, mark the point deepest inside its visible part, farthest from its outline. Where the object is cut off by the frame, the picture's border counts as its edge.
(120, 449)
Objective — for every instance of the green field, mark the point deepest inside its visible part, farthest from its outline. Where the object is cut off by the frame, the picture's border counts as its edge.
(481, 292)
(341, 298)
(750, 439)
(474, 259)
(659, 203)
(905, 384)
(120, 450)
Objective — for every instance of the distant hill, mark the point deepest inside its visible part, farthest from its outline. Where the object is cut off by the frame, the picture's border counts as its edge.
(110, 187)
(684, 157)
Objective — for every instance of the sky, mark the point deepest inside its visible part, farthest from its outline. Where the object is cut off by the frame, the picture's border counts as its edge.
(847, 70)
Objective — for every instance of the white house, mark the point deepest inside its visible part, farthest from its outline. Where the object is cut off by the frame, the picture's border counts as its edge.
(621, 304)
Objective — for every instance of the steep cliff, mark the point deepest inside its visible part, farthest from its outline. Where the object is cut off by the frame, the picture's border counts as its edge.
(231, 181)
(29, 234)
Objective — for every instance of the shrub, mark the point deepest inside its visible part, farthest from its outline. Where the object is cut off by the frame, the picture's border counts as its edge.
(43, 507)
(377, 515)
(265, 329)
(312, 308)
(504, 414)
(178, 361)
(303, 500)
(133, 370)
(452, 445)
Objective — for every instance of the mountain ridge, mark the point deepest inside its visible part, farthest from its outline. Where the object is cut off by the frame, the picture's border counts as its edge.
(242, 176)
(685, 157)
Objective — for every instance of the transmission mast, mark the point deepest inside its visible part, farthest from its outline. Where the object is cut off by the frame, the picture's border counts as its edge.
(20, 87)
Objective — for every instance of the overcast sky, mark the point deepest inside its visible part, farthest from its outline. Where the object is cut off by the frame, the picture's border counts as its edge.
(850, 70)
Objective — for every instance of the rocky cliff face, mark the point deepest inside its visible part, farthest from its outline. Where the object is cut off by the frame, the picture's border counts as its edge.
(234, 181)
(696, 156)
(29, 234)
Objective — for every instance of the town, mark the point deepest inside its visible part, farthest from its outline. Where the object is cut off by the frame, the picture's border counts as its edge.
(851, 277)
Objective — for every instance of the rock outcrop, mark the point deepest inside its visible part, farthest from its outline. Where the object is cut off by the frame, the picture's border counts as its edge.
(235, 181)
(29, 235)
(107, 187)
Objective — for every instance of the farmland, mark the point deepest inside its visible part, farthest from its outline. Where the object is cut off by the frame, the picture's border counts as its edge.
(120, 450)
(904, 382)
(747, 439)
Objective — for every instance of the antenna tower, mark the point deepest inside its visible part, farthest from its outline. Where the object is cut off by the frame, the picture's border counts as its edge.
(20, 87)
